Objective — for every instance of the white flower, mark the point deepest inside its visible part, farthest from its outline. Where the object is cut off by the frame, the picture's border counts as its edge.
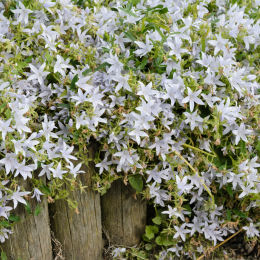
(195, 226)
(146, 91)
(174, 212)
(58, 172)
(4, 85)
(61, 65)
(159, 194)
(47, 128)
(122, 82)
(182, 185)
(22, 14)
(246, 190)
(74, 169)
(116, 65)
(47, 3)
(10, 162)
(176, 48)
(80, 97)
(38, 74)
(251, 230)
(4, 211)
(219, 44)
(17, 196)
(241, 133)
(4, 234)
(136, 134)
(82, 84)
(37, 194)
(210, 100)
(194, 120)
(236, 179)
(192, 98)
(24, 170)
(155, 174)
(144, 47)
(5, 127)
(229, 113)
(181, 231)
(118, 251)
(46, 170)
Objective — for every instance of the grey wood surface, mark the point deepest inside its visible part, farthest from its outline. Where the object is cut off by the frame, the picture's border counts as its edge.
(123, 215)
(31, 239)
(79, 233)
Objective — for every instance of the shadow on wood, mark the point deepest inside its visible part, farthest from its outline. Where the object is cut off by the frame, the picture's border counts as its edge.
(123, 216)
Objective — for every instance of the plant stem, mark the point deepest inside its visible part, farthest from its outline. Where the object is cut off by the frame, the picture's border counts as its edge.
(199, 150)
(202, 181)
(220, 244)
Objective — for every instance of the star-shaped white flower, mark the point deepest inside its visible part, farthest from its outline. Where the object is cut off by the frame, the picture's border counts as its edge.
(192, 98)
(181, 231)
(38, 74)
(58, 172)
(144, 47)
(5, 127)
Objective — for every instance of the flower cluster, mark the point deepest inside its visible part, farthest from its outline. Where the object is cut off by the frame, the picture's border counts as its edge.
(168, 89)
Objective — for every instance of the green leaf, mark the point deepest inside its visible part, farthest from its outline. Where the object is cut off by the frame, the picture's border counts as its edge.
(8, 113)
(64, 105)
(48, 57)
(143, 63)
(243, 147)
(150, 231)
(128, 12)
(164, 10)
(5, 223)
(28, 208)
(136, 181)
(45, 189)
(159, 241)
(85, 72)
(203, 44)
(154, 8)
(14, 218)
(229, 190)
(37, 210)
(157, 220)
(258, 147)
(102, 66)
(130, 36)
(3, 256)
(73, 82)
(239, 213)
(148, 247)
(229, 214)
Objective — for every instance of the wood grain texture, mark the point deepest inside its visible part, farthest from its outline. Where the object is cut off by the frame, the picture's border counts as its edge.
(123, 216)
(80, 234)
(31, 239)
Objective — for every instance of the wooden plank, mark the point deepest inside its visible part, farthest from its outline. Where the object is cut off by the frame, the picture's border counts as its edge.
(31, 239)
(80, 234)
(123, 215)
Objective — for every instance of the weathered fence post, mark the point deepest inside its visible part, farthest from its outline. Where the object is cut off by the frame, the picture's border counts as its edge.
(31, 238)
(80, 234)
(123, 215)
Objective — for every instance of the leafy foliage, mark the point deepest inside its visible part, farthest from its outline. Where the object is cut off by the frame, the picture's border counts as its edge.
(168, 89)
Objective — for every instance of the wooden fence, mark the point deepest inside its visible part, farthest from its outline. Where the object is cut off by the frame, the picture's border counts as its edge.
(59, 233)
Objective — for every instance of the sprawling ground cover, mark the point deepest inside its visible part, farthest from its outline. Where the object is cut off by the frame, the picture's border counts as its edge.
(168, 89)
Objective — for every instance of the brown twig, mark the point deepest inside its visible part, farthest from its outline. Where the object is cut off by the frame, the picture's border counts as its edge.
(222, 243)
